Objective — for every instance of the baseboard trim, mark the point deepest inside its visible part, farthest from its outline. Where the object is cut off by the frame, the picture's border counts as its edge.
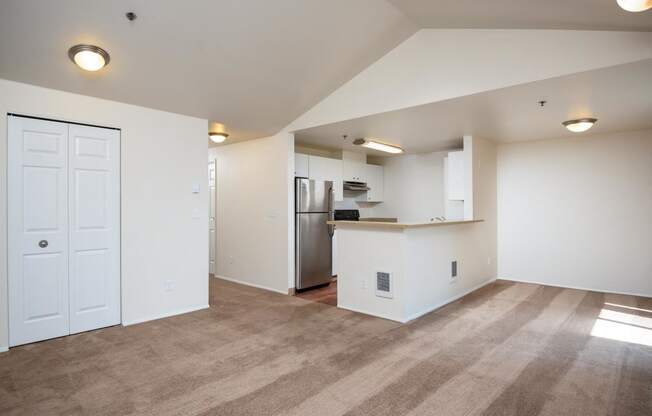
(4, 349)
(368, 313)
(450, 300)
(229, 279)
(165, 315)
(649, 295)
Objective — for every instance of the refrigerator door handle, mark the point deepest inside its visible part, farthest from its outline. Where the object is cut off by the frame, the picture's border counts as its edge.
(331, 215)
(297, 251)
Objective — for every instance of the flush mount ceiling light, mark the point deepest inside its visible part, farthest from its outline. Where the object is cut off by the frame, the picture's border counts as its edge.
(218, 137)
(383, 147)
(89, 57)
(635, 5)
(217, 132)
(579, 125)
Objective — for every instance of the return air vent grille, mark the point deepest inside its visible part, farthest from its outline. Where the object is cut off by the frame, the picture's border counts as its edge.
(384, 285)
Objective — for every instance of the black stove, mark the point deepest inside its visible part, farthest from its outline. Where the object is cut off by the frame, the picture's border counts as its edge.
(347, 215)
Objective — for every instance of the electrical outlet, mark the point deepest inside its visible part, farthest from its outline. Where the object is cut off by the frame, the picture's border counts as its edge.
(364, 283)
(231, 260)
(489, 261)
(168, 285)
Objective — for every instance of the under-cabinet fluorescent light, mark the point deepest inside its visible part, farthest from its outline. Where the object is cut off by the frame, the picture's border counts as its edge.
(383, 147)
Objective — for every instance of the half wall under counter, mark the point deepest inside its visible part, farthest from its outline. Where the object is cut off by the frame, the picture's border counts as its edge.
(400, 271)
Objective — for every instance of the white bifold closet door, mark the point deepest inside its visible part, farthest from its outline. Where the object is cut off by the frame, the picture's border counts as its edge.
(64, 229)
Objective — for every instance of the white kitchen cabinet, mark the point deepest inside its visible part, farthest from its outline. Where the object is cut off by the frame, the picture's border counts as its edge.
(327, 169)
(455, 176)
(354, 171)
(375, 182)
(301, 165)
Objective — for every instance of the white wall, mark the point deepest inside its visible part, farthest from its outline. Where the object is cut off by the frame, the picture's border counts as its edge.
(254, 224)
(414, 187)
(577, 212)
(431, 251)
(163, 154)
(439, 64)
(375, 250)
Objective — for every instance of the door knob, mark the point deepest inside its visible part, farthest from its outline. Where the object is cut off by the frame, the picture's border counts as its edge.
(43, 243)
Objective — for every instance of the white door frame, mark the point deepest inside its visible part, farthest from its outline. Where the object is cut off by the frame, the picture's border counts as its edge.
(118, 171)
(212, 217)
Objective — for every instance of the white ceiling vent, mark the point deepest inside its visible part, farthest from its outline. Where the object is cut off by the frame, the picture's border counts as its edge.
(384, 285)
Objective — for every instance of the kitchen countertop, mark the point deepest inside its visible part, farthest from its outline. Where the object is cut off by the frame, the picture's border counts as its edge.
(377, 219)
(398, 225)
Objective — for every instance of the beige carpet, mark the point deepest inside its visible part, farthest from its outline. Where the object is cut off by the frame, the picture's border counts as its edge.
(507, 349)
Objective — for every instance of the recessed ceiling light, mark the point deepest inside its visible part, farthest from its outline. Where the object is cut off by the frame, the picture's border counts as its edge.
(218, 137)
(383, 147)
(579, 125)
(635, 5)
(89, 57)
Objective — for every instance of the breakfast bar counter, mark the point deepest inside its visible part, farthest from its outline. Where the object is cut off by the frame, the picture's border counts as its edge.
(400, 270)
(397, 225)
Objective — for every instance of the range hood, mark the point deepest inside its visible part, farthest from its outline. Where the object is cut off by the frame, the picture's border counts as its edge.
(355, 186)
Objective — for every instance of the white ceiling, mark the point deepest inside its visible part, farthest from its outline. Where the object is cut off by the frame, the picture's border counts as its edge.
(524, 14)
(620, 97)
(254, 65)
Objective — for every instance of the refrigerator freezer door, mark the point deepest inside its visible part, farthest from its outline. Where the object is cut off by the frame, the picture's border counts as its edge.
(313, 256)
(313, 196)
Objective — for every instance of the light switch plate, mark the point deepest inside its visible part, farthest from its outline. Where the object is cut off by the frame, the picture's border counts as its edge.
(195, 188)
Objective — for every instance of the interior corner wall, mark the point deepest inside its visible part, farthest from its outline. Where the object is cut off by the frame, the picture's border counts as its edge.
(252, 219)
(575, 212)
(485, 204)
(163, 224)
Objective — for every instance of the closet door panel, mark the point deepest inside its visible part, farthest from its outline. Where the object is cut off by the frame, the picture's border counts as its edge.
(94, 203)
(37, 230)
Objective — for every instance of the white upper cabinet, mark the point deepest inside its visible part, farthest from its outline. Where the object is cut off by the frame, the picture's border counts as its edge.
(301, 165)
(327, 169)
(455, 176)
(375, 182)
(338, 171)
(354, 171)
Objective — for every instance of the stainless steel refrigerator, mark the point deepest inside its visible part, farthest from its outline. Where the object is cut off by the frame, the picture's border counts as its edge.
(313, 249)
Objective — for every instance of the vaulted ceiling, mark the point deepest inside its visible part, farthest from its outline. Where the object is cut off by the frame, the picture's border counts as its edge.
(524, 14)
(255, 65)
(619, 96)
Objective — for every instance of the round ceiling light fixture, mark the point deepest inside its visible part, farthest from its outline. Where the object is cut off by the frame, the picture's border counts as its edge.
(89, 57)
(635, 5)
(579, 125)
(217, 132)
(218, 137)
